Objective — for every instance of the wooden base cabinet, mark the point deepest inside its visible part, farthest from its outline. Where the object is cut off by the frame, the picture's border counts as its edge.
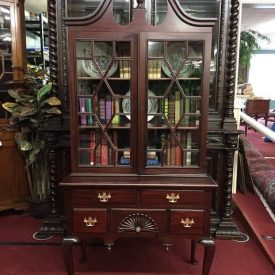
(146, 208)
(138, 87)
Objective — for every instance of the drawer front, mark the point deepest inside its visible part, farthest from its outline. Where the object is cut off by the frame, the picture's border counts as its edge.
(185, 221)
(138, 220)
(173, 198)
(104, 197)
(88, 220)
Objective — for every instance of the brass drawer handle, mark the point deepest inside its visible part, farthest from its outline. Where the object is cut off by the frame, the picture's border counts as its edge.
(172, 198)
(104, 197)
(187, 222)
(90, 221)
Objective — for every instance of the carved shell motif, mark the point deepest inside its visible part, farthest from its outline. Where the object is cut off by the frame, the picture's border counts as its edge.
(137, 223)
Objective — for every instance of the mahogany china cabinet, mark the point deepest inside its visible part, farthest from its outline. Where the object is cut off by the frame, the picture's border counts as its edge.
(147, 140)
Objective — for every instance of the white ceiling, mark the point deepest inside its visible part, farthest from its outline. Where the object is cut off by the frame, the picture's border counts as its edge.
(260, 18)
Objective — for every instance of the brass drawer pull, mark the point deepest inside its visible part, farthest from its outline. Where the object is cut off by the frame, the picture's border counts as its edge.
(187, 222)
(172, 198)
(90, 221)
(104, 197)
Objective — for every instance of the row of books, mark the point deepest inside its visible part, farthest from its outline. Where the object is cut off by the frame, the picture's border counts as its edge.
(154, 69)
(105, 109)
(95, 149)
(174, 155)
(125, 69)
(174, 107)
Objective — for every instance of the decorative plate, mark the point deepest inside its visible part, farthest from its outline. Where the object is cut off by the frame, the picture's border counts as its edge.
(176, 56)
(103, 58)
(152, 105)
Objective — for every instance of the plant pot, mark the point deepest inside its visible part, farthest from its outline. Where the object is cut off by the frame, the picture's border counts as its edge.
(39, 208)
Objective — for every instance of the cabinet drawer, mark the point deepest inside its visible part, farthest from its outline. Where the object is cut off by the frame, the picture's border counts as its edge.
(138, 220)
(104, 197)
(173, 197)
(89, 220)
(185, 221)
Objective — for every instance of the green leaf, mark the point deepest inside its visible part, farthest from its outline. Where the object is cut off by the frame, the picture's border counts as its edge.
(25, 145)
(9, 106)
(44, 90)
(14, 94)
(53, 101)
(52, 110)
(28, 111)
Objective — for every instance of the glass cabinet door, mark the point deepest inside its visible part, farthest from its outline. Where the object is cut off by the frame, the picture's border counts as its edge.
(174, 81)
(122, 9)
(104, 94)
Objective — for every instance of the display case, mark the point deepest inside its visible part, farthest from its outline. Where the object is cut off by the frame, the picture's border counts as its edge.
(138, 95)
(107, 97)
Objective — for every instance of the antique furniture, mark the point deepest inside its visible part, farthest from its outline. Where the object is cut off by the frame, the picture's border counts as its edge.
(257, 108)
(13, 183)
(139, 101)
(140, 169)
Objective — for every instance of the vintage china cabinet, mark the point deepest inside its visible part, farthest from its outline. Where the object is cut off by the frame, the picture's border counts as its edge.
(147, 91)
(139, 103)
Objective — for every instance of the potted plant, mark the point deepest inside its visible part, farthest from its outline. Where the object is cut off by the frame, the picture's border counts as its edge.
(249, 44)
(31, 109)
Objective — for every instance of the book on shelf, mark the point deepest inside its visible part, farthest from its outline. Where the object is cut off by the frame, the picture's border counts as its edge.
(108, 107)
(186, 111)
(104, 151)
(154, 69)
(102, 110)
(178, 151)
(177, 107)
(116, 118)
(166, 108)
(172, 151)
(92, 146)
(88, 107)
(115, 143)
(171, 109)
(81, 103)
(188, 154)
(84, 151)
(125, 69)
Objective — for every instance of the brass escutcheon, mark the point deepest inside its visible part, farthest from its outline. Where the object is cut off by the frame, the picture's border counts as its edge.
(187, 222)
(90, 221)
(104, 197)
(172, 198)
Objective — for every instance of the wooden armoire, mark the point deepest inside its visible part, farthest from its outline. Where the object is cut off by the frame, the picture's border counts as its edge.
(147, 140)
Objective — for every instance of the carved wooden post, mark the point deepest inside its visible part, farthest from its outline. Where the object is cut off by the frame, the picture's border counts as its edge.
(227, 226)
(231, 63)
(53, 44)
(53, 224)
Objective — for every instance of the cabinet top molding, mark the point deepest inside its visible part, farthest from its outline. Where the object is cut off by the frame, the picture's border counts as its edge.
(104, 15)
